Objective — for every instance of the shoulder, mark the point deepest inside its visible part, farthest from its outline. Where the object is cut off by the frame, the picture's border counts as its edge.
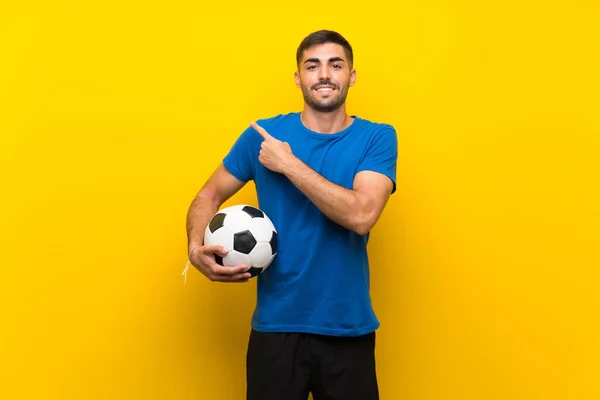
(374, 125)
(376, 131)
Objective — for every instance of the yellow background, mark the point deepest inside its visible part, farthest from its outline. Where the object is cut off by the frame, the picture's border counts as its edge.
(485, 263)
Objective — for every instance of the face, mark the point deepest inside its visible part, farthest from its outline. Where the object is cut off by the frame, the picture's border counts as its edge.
(324, 76)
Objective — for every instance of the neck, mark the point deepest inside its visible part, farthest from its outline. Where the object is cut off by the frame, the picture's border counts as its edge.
(325, 122)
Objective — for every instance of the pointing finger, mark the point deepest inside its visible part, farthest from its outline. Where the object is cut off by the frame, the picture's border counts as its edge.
(261, 131)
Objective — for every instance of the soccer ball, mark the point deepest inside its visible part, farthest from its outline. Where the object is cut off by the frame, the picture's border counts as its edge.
(248, 234)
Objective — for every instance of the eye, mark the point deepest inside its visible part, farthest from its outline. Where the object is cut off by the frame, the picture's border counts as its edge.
(311, 67)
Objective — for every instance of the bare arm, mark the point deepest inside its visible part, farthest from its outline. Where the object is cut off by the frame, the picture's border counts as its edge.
(218, 188)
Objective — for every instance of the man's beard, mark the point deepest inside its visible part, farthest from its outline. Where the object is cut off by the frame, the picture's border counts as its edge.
(324, 105)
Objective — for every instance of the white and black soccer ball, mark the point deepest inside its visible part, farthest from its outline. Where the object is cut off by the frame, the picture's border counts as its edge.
(249, 235)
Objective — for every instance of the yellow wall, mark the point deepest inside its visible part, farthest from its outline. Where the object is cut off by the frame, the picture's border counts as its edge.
(485, 263)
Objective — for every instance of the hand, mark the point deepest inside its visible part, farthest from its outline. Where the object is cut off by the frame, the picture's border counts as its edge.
(203, 259)
(274, 154)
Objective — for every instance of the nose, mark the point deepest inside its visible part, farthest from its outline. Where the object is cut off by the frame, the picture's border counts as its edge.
(324, 74)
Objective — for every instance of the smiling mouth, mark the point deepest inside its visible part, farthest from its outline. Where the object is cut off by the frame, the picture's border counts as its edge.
(325, 89)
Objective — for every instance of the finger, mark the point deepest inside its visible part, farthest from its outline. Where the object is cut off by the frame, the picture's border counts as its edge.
(215, 249)
(232, 278)
(230, 271)
(240, 278)
(261, 131)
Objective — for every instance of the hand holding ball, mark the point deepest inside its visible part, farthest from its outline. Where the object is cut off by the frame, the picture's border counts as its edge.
(247, 233)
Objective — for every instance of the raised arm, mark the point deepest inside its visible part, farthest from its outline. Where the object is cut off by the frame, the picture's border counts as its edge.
(356, 209)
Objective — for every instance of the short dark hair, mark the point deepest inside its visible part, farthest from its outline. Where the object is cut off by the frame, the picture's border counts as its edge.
(322, 37)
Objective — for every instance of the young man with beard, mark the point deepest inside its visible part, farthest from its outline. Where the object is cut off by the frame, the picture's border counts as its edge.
(323, 177)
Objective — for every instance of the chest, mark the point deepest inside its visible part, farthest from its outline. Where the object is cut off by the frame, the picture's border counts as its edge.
(336, 159)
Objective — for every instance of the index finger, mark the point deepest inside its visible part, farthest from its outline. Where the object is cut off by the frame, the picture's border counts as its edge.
(215, 249)
(261, 131)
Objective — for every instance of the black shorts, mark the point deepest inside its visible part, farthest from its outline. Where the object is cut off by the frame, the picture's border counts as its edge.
(287, 366)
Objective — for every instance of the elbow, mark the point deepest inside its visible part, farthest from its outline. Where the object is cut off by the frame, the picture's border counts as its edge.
(363, 223)
(362, 229)
(364, 218)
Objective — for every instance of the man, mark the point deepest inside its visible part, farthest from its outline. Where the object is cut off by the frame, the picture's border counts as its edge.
(323, 177)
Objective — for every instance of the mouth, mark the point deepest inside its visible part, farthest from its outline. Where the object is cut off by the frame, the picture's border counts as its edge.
(325, 89)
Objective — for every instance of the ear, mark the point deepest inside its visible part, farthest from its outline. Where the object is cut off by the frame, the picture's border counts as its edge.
(352, 77)
(297, 79)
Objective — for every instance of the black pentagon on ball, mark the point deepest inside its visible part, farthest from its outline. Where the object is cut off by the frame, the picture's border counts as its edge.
(274, 242)
(216, 222)
(254, 271)
(243, 242)
(253, 212)
(218, 259)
